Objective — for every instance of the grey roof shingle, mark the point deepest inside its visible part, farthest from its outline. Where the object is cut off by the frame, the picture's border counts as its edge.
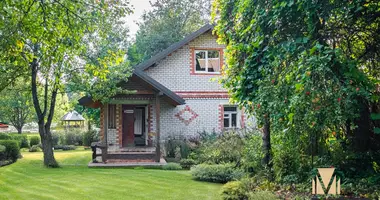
(72, 116)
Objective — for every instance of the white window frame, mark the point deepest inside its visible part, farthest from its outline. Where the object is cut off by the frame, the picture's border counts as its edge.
(230, 113)
(206, 61)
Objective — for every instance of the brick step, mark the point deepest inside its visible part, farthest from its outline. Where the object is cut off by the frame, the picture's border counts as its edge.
(131, 155)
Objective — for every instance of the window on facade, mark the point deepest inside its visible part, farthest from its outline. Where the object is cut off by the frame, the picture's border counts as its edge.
(207, 61)
(230, 117)
(111, 116)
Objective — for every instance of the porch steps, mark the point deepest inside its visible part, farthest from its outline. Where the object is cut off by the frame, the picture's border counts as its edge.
(128, 155)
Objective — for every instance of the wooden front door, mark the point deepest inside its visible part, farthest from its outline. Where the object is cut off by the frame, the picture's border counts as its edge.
(128, 125)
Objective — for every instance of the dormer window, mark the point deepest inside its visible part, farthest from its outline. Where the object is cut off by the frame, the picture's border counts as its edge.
(207, 61)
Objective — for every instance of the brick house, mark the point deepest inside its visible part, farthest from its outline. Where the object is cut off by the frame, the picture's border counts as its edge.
(173, 95)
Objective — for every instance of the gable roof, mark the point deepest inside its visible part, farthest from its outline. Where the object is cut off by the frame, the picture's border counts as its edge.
(170, 95)
(159, 87)
(72, 116)
(174, 47)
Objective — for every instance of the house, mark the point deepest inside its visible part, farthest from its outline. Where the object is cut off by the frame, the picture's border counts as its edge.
(173, 94)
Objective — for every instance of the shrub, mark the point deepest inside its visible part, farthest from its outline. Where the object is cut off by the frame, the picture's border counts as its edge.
(57, 147)
(58, 138)
(23, 140)
(90, 137)
(2, 152)
(226, 148)
(172, 166)
(187, 163)
(262, 195)
(234, 190)
(35, 148)
(220, 173)
(12, 149)
(34, 140)
(68, 147)
(73, 137)
(4, 136)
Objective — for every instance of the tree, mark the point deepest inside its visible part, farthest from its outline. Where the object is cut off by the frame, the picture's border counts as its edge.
(168, 22)
(46, 40)
(16, 105)
(293, 64)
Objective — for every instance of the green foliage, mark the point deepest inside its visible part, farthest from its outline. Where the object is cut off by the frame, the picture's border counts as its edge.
(23, 140)
(74, 137)
(234, 190)
(35, 148)
(60, 41)
(2, 152)
(220, 173)
(68, 147)
(4, 136)
(178, 148)
(262, 195)
(226, 148)
(168, 22)
(12, 149)
(16, 105)
(187, 163)
(89, 137)
(34, 140)
(172, 166)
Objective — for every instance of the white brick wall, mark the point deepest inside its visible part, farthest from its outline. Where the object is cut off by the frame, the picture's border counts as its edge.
(174, 71)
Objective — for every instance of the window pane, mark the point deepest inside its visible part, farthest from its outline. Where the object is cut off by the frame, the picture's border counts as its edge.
(213, 54)
(230, 108)
(200, 61)
(213, 61)
(226, 123)
(234, 116)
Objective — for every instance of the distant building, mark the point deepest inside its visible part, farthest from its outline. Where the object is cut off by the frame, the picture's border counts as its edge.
(73, 119)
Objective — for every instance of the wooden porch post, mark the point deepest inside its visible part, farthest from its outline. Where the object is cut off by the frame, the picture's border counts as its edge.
(158, 107)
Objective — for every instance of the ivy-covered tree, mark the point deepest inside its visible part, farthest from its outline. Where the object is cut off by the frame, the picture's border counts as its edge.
(168, 22)
(300, 66)
(47, 40)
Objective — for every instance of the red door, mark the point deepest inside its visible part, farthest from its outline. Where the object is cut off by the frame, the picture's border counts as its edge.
(128, 125)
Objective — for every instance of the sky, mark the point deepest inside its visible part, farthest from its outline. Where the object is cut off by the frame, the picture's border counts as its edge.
(139, 7)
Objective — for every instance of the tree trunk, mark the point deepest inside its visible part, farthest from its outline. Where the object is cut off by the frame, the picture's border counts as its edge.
(267, 144)
(362, 134)
(19, 130)
(44, 128)
(47, 147)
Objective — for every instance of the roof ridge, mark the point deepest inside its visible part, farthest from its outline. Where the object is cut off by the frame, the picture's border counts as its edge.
(159, 56)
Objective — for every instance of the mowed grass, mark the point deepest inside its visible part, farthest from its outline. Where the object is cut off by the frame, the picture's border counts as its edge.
(28, 179)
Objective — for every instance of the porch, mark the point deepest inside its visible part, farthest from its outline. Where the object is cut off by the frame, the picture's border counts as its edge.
(130, 124)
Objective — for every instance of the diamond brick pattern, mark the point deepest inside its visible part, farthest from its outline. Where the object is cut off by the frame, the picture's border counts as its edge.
(186, 115)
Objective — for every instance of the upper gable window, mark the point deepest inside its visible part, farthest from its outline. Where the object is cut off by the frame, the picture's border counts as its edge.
(207, 61)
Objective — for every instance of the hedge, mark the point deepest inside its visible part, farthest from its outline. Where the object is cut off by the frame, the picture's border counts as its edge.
(221, 173)
(12, 149)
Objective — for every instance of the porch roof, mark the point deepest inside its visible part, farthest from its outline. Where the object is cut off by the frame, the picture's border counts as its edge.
(169, 95)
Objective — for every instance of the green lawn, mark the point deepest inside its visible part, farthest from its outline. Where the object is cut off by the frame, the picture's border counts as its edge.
(28, 179)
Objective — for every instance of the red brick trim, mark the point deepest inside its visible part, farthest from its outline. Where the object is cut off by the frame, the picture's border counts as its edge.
(150, 125)
(186, 121)
(192, 60)
(119, 118)
(221, 117)
(203, 94)
(102, 122)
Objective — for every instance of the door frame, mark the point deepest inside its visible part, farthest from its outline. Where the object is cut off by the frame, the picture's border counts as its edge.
(124, 133)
